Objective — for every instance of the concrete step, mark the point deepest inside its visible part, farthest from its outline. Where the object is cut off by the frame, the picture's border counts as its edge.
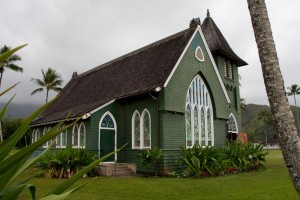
(116, 169)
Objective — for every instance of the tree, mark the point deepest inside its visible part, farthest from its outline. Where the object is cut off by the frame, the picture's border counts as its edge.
(293, 91)
(9, 63)
(266, 117)
(51, 81)
(281, 113)
(243, 104)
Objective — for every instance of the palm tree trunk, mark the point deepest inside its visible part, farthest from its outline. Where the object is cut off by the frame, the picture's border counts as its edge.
(280, 108)
(296, 113)
(47, 95)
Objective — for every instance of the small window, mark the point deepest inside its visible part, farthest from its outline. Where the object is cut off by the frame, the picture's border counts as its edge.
(199, 54)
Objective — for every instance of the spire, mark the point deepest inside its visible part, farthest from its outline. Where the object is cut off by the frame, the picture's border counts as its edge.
(208, 13)
(216, 41)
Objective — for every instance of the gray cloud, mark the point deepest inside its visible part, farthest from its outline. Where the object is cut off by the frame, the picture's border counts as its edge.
(79, 35)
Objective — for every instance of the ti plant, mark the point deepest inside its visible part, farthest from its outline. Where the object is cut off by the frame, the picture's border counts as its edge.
(13, 165)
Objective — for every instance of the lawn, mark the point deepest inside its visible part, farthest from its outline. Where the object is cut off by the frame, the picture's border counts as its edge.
(272, 183)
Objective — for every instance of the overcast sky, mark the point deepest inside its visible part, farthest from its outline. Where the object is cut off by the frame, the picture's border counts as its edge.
(77, 35)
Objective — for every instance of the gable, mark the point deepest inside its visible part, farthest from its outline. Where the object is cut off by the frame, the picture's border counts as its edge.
(187, 67)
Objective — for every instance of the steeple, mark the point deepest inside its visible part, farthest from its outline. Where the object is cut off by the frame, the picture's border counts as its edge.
(216, 41)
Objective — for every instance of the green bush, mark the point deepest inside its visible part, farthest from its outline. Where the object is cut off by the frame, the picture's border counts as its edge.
(64, 163)
(209, 161)
(150, 159)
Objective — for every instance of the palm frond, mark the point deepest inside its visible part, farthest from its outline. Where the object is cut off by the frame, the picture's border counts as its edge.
(37, 91)
(39, 82)
(14, 67)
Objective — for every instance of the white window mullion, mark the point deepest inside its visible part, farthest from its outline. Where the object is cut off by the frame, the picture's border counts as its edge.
(206, 127)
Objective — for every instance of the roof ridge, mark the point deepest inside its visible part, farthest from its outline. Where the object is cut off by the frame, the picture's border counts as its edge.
(133, 52)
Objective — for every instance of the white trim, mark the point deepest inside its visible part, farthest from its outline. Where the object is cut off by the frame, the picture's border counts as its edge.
(210, 56)
(77, 129)
(198, 47)
(237, 128)
(179, 60)
(214, 65)
(107, 128)
(102, 106)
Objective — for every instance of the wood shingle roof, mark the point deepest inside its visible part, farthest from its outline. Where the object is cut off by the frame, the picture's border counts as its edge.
(138, 72)
(216, 41)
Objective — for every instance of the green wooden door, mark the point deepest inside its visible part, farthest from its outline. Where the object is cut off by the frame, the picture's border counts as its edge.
(107, 143)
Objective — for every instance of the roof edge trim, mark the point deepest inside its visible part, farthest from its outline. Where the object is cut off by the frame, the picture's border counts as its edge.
(180, 58)
(214, 65)
(102, 106)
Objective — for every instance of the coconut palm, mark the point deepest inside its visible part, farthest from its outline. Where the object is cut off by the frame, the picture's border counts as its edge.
(9, 63)
(51, 81)
(282, 115)
(293, 91)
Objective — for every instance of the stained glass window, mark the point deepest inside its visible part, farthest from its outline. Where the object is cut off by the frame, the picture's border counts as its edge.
(232, 126)
(107, 122)
(199, 123)
(146, 129)
(188, 124)
(136, 130)
(82, 135)
(196, 126)
(209, 127)
(75, 135)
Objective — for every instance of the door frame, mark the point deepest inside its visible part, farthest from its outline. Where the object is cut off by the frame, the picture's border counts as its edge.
(105, 128)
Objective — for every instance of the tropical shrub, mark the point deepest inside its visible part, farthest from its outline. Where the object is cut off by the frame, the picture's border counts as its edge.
(150, 159)
(64, 163)
(209, 161)
(244, 157)
(199, 161)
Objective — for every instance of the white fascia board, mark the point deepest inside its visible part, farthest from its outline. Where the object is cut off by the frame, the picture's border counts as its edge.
(214, 65)
(179, 60)
(102, 106)
(198, 30)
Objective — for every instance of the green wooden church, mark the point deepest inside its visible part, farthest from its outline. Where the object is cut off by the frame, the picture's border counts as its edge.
(179, 91)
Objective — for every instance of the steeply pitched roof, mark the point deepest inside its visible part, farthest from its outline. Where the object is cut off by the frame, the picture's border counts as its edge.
(140, 71)
(216, 40)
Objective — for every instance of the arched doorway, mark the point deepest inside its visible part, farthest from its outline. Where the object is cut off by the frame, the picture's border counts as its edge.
(107, 136)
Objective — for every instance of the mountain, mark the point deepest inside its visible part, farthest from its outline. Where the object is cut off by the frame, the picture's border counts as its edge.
(256, 128)
(19, 110)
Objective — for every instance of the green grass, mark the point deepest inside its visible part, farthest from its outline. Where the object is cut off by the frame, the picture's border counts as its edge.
(272, 183)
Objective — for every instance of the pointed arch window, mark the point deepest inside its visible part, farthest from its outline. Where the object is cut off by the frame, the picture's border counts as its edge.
(79, 135)
(35, 135)
(232, 128)
(199, 115)
(61, 139)
(146, 129)
(46, 130)
(136, 141)
(141, 130)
